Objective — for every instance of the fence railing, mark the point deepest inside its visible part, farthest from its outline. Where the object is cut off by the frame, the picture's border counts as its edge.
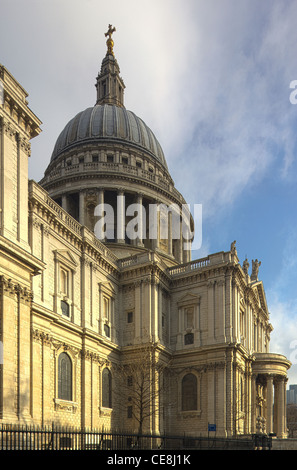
(56, 438)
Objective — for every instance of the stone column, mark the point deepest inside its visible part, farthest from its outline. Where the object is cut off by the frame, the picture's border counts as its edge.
(197, 324)
(221, 317)
(113, 330)
(280, 406)
(64, 202)
(181, 244)
(170, 233)
(155, 313)
(147, 308)
(248, 402)
(138, 310)
(269, 406)
(139, 240)
(254, 406)
(236, 334)
(220, 396)
(179, 343)
(99, 214)
(211, 392)
(154, 225)
(120, 216)
(160, 312)
(211, 312)
(228, 307)
(82, 207)
(101, 196)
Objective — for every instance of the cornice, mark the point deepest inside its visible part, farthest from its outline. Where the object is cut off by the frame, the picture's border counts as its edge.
(59, 345)
(114, 176)
(21, 255)
(15, 106)
(11, 288)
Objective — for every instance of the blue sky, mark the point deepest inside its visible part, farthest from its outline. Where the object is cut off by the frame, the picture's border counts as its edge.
(212, 80)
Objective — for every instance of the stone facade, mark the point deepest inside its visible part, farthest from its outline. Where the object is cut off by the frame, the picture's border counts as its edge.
(76, 309)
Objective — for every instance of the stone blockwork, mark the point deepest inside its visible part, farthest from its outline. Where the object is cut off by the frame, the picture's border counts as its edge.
(76, 310)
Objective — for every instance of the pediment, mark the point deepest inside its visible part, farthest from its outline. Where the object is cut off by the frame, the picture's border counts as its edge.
(188, 299)
(65, 257)
(107, 287)
(259, 292)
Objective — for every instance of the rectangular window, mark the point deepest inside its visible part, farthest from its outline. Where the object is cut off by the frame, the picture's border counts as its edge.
(64, 282)
(189, 318)
(129, 412)
(130, 317)
(189, 338)
(106, 308)
(109, 158)
(107, 330)
(65, 308)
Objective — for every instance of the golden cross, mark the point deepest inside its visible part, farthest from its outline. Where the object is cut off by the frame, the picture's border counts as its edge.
(109, 41)
(110, 31)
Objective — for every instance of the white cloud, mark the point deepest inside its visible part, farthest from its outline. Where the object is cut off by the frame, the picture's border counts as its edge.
(284, 335)
(282, 302)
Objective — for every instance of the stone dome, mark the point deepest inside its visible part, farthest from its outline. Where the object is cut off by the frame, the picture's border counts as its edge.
(108, 122)
(107, 155)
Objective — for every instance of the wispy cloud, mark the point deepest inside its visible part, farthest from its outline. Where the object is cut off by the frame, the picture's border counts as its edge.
(239, 119)
(282, 301)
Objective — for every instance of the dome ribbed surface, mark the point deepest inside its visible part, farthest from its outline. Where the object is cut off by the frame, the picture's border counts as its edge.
(107, 122)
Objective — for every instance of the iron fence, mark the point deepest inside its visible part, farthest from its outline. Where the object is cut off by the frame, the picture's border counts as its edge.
(14, 437)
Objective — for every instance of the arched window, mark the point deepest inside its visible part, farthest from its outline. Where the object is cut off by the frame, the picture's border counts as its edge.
(106, 389)
(189, 393)
(64, 377)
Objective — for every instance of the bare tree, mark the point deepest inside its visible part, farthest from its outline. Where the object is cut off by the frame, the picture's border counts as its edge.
(292, 419)
(141, 379)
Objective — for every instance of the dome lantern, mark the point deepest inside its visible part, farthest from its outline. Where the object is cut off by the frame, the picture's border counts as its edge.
(110, 86)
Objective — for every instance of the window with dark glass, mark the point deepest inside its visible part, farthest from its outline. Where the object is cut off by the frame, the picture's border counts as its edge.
(107, 330)
(106, 389)
(65, 308)
(64, 377)
(189, 338)
(189, 393)
(130, 317)
(129, 411)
